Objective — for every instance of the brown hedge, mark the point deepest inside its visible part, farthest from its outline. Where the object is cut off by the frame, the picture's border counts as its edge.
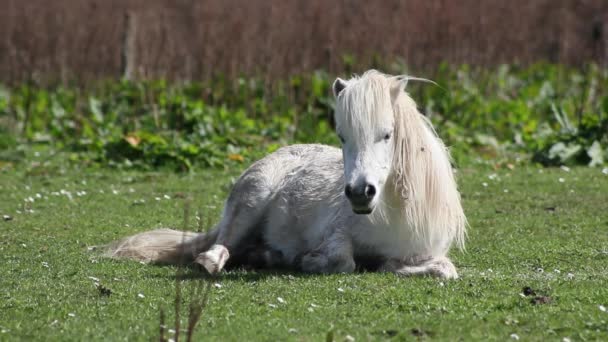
(188, 39)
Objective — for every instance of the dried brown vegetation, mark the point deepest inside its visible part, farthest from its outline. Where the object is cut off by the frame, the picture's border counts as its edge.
(190, 39)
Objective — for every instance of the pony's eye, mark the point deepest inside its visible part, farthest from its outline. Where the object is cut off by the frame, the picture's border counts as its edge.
(387, 136)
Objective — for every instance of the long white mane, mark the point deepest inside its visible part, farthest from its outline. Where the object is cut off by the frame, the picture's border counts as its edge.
(421, 182)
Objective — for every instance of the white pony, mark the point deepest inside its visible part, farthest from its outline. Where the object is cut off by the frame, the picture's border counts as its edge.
(387, 199)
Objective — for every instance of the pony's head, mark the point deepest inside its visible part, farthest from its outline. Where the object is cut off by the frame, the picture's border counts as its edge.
(365, 122)
(393, 156)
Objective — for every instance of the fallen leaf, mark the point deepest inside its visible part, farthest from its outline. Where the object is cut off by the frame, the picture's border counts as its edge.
(236, 157)
(538, 300)
(133, 140)
(420, 332)
(104, 291)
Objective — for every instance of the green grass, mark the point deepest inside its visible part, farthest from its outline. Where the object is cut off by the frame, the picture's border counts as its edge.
(528, 228)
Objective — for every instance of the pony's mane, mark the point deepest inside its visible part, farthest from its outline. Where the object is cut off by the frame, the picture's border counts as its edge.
(422, 176)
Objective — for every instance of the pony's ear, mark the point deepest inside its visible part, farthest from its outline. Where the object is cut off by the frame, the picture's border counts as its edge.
(338, 86)
(398, 86)
(400, 82)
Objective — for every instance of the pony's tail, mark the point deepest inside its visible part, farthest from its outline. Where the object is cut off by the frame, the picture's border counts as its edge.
(163, 246)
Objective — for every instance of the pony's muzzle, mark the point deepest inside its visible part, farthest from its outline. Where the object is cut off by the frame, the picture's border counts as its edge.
(361, 197)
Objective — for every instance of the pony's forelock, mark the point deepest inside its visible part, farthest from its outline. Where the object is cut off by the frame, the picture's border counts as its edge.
(363, 102)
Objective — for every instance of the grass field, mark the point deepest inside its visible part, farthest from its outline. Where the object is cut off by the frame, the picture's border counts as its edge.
(545, 230)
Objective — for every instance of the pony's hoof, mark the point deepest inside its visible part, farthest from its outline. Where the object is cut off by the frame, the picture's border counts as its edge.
(319, 263)
(214, 259)
(314, 263)
(444, 268)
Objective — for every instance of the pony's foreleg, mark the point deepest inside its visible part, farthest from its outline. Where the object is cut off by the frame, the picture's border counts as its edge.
(440, 267)
(334, 255)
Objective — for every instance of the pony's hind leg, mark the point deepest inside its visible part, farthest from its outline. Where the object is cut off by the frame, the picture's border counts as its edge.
(243, 213)
(440, 267)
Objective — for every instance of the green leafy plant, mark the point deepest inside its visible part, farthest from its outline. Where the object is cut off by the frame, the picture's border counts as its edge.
(554, 113)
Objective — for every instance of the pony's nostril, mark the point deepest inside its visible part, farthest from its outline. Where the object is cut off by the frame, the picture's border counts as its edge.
(348, 191)
(370, 191)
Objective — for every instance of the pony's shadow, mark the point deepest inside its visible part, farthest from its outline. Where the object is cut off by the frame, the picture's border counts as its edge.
(240, 274)
(248, 273)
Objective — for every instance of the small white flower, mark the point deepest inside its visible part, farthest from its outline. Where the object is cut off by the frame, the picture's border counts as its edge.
(570, 276)
(506, 190)
(565, 168)
(605, 171)
(45, 264)
(311, 310)
(313, 305)
(131, 190)
(167, 197)
(115, 192)
(602, 308)
(292, 330)
(157, 198)
(54, 322)
(38, 195)
(281, 300)
(274, 306)
(141, 295)
(171, 331)
(566, 339)
(441, 283)
(561, 180)
(93, 278)
(217, 285)
(340, 289)
(349, 338)
(485, 185)
(492, 176)
(557, 271)
(514, 337)
(71, 314)
(23, 245)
